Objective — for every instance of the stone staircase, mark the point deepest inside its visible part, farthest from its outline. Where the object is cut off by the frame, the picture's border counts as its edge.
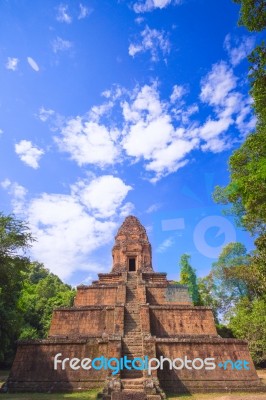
(132, 345)
(132, 385)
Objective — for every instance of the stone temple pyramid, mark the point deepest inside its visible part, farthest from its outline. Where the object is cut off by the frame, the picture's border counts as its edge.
(136, 313)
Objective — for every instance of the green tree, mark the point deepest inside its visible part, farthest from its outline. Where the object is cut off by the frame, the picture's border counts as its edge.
(188, 277)
(246, 190)
(252, 14)
(42, 291)
(248, 321)
(247, 187)
(15, 238)
(229, 273)
(210, 294)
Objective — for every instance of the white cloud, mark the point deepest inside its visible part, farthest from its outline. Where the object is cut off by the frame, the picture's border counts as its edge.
(163, 147)
(238, 48)
(18, 194)
(29, 154)
(88, 142)
(45, 114)
(139, 126)
(126, 210)
(62, 14)
(103, 195)
(12, 63)
(154, 207)
(216, 85)
(153, 41)
(1, 132)
(60, 44)
(69, 228)
(169, 242)
(33, 64)
(177, 93)
(84, 11)
(231, 108)
(149, 5)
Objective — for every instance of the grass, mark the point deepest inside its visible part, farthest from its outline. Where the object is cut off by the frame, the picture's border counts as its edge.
(92, 394)
(88, 395)
(220, 396)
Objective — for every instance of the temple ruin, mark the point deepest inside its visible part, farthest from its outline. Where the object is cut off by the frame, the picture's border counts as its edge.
(134, 312)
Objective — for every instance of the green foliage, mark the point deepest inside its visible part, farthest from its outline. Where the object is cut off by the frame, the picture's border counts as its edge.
(230, 273)
(210, 294)
(257, 77)
(246, 190)
(247, 187)
(243, 277)
(236, 289)
(28, 291)
(188, 277)
(42, 291)
(248, 321)
(15, 238)
(252, 14)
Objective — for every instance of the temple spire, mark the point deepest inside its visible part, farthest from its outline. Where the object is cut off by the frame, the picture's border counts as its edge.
(132, 249)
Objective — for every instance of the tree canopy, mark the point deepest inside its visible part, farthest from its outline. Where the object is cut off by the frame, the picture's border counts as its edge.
(28, 291)
(252, 14)
(188, 277)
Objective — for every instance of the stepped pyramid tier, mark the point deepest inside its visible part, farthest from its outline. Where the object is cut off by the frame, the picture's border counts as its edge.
(133, 315)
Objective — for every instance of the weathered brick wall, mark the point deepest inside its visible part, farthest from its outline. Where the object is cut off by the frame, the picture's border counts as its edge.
(167, 294)
(33, 367)
(155, 277)
(201, 380)
(73, 322)
(90, 296)
(177, 320)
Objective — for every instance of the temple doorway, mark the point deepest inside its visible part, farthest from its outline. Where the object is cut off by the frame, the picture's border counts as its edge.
(132, 264)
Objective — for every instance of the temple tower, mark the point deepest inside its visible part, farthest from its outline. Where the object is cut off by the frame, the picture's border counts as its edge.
(132, 249)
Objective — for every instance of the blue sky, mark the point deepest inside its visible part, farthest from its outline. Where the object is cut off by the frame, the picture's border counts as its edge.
(113, 108)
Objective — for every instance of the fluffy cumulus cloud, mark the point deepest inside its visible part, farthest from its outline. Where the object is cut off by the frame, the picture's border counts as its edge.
(140, 126)
(216, 85)
(88, 142)
(238, 48)
(103, 196)
(33, 64)
(28, 153)
(153, 41)
(150, 5)
(70, 227)
(149, 122)
(230, 107)
(12, 63)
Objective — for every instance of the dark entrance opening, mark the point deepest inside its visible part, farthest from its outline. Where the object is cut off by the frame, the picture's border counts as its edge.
(132, 264)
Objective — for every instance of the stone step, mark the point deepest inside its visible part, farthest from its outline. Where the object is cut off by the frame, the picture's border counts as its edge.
(131, 374)
(130, 345)
(132, 337)
(131, 321)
